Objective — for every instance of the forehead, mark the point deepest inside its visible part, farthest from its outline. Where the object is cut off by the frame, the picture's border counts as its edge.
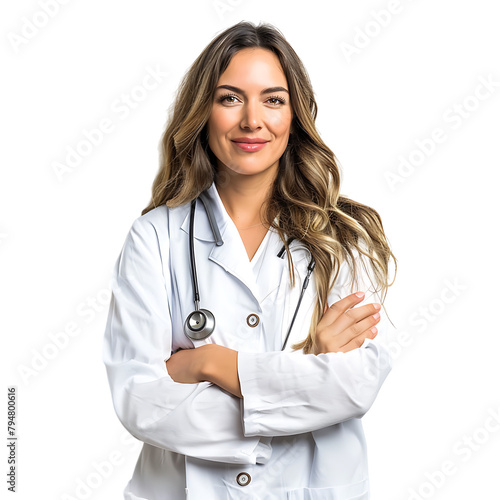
(254, 67)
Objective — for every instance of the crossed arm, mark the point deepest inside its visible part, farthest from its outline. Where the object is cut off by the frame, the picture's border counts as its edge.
(237, 393)
(341, 329)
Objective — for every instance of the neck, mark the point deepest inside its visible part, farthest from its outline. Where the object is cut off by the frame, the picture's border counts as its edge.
(245, 198)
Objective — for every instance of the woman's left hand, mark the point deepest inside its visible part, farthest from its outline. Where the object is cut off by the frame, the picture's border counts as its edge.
(210, 362)
(186, 366)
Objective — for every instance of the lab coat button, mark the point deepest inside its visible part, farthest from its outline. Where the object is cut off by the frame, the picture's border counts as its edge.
(252, 320)
(243, 478)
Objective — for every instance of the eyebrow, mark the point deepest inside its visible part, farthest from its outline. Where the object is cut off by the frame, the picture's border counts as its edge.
(270, 90)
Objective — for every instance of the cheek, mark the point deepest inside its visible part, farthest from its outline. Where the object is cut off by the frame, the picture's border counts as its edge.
(219, 123)
(280, 124)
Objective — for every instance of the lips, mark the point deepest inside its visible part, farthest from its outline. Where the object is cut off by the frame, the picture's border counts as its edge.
(249, 144)
(249, 140)
(250, 147)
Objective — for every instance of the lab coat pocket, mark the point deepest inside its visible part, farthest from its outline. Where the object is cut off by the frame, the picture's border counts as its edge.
(355, 491)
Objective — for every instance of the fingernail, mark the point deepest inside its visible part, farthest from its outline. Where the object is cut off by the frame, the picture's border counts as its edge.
(376, 306)
(376, 316)
(359, 294)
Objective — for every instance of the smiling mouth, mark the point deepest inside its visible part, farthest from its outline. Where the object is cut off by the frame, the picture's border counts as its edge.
(250, 146)
(250, 140)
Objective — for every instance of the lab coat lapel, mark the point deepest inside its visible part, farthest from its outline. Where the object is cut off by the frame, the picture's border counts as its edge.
(232, 255)
(202, 230)
(233, 258)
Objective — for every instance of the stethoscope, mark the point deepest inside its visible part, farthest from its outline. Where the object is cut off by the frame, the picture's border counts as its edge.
(200, 324)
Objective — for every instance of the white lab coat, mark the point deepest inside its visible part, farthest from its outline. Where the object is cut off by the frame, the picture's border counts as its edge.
(297, 431)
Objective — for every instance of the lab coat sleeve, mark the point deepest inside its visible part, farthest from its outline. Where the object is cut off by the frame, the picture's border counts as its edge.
(198, 420)
(286, 393)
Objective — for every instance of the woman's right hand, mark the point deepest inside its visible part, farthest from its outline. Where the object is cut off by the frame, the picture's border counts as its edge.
(342, 329)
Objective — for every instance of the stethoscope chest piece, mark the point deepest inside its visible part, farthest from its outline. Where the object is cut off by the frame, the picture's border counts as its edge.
(199, 324)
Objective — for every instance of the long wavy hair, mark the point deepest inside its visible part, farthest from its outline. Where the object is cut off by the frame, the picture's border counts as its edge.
(304, 201)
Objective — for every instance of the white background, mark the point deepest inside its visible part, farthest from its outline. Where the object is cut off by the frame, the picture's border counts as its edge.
(383, 82)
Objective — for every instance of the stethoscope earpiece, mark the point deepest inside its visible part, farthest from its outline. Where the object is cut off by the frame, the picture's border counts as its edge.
(199, 324)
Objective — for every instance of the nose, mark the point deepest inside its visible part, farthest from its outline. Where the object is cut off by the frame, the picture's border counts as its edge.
(251, 115)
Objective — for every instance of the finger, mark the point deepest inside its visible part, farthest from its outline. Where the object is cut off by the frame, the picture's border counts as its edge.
(357, 329)
(349, 318)
(358, 341)
(341, 306)
(352, 317)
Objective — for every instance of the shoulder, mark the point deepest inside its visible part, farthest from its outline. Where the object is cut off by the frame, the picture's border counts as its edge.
(150, 234)
(159, 221)
(148, 241)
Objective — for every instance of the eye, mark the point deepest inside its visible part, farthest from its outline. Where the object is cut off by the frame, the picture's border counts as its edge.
(227, 98)
(277, 100)
(233, 98)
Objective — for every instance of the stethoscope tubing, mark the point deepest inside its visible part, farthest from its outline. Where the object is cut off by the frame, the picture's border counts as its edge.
(200, 333)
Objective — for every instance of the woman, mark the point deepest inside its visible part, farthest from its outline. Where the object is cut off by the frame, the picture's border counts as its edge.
(263, 400)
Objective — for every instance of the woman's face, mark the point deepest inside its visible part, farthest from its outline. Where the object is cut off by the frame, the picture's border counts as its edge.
(251, 101)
